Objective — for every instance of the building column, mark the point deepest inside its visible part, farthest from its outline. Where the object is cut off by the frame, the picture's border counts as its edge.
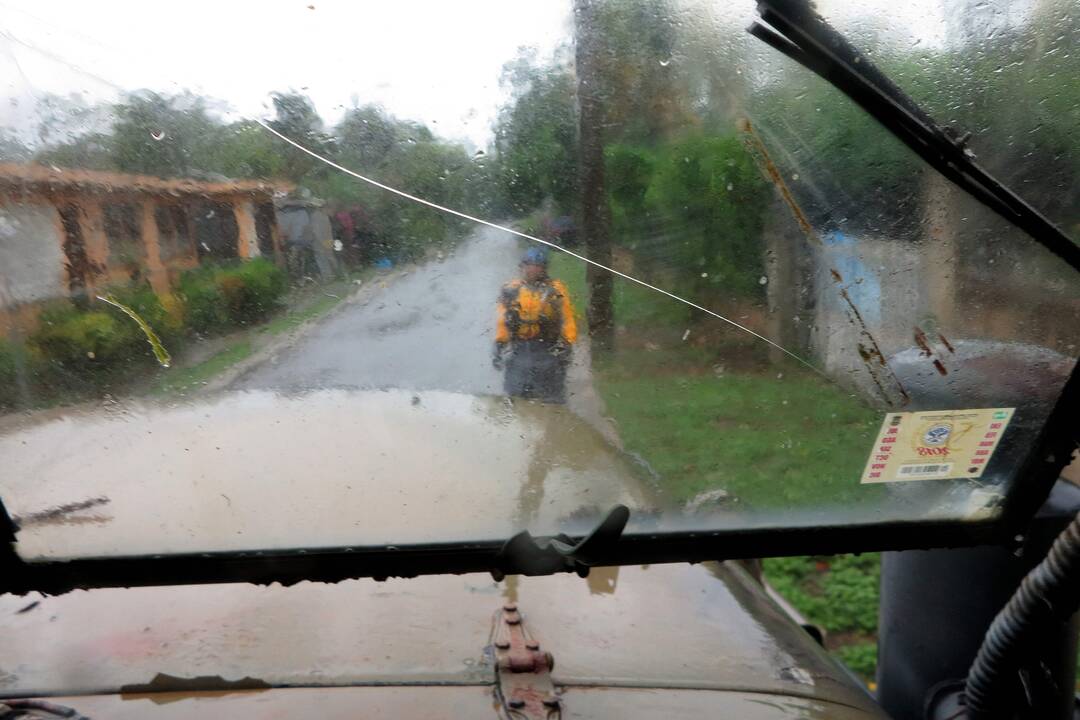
(938, 274)
(159, 278)
(275, 235)
(247, 241)
(97, 244)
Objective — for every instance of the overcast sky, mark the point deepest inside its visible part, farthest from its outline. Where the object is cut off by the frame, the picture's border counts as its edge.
(436, 62)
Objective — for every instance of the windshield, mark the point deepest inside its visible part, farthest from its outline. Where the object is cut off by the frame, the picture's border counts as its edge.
(331, 275)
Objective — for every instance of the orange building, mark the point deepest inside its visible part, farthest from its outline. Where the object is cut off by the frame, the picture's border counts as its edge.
(68, 232)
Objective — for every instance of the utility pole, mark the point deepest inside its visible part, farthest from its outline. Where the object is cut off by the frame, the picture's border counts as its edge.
(595, 215)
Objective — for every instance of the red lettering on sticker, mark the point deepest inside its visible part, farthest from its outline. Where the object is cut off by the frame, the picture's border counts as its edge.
(875, 475)
(986, 443)
(977, 461)
(995, 426)
(884, 448)
(982, 452)
(888, 440)
(892, 431)
(881, 457)
(924, 451)
(878, 467)
(990, 435)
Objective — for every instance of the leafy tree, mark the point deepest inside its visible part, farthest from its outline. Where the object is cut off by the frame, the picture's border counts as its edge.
(536, 136)
(708, 191)
(366, 135)
(297, 119)
(243, 150)
(160, 135)
(90, 152)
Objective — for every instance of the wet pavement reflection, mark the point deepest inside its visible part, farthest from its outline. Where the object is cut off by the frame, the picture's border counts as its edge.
(261, 470)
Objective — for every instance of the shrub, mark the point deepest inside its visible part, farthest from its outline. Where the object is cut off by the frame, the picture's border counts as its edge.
(256, 289)
(204, 306)
(145, 302)
(218, 297)
(87, 343)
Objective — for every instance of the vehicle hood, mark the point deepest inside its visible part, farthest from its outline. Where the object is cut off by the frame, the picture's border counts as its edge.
(707, 627)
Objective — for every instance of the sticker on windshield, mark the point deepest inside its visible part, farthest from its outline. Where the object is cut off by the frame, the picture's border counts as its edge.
(936, 445)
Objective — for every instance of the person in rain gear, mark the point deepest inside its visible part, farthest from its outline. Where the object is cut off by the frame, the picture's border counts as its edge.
(535, 332)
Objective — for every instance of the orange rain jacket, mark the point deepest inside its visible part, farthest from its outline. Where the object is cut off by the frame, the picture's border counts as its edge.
(535, 311)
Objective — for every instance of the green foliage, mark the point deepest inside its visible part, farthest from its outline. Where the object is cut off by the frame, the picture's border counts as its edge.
(259, 289)
(219, 297)
(297, 119)
(142, 299)
(536, 138)
(204, 304)
(84, 344)
(700, 432)
(860, 657)
(244, 150)
(838, 592)
(710, 186)
(182, 379)
(14, 362)
(160, 135)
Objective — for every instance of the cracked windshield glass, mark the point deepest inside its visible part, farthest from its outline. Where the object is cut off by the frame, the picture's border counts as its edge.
(330, 275)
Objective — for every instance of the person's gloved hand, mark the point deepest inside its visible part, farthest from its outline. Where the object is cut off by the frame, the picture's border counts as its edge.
(497, 358)
(561, 350)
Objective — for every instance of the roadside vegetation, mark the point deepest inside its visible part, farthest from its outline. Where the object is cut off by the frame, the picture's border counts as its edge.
(838, 593)
(83, 347)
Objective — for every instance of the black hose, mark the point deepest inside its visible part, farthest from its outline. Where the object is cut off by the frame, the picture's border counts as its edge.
(1049, 594)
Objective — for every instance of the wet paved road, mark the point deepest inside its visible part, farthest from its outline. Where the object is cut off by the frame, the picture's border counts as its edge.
(430, 330)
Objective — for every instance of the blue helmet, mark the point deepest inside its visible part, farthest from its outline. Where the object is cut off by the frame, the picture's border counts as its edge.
(535, 256)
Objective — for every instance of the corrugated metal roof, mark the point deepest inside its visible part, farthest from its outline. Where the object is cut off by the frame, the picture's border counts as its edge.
(42, 177)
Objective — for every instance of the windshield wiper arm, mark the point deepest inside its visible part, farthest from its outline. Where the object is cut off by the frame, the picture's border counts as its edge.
(797, 31)
(526, 555)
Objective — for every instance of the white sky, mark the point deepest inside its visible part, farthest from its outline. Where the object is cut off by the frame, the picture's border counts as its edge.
(436, 62)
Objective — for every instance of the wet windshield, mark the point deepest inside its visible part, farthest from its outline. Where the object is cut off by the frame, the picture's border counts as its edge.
(314, 275)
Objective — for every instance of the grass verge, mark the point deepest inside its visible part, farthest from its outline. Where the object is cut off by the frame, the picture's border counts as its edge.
(185, 378)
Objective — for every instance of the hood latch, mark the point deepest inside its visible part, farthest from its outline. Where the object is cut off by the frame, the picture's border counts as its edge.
(524, 670)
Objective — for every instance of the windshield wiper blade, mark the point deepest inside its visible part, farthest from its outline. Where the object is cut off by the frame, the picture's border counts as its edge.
(797, 31)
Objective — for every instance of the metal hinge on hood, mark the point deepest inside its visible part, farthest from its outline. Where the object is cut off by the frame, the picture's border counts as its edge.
(524, 670)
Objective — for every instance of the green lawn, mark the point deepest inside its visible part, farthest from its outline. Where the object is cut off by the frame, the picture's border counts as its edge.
(770, 442)
(180, 379)
(291, 319)
(707, 417)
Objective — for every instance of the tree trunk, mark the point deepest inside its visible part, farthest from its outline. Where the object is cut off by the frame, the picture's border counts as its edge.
(595, 216)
